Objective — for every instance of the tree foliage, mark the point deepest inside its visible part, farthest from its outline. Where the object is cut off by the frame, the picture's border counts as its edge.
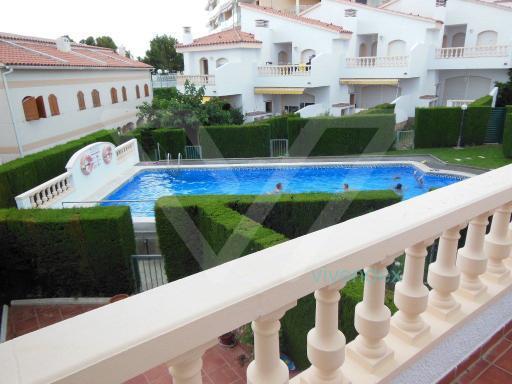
(101, 41)
(162, 54)
(505, 91)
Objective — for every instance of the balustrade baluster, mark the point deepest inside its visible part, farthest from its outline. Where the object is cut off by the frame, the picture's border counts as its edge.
(44, 197)
(186, 369)
(411, 296)
(267, 366)
(372, 321)
(471, 259)
(33, 204)
(498, 244)
(444, 276)
(326, 343)
(39, 202)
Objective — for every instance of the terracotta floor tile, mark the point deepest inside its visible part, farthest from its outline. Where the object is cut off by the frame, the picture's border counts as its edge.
(137, 380)
(48, 315)
(505, 361)
(498, 350)
(469, 361)
(494, 375)
(212, 360)
(68, 311)
(473, 372)
(18, 313)
(224, 375)
(23, 325)
(163, 379)
(449, 378)
(509, 335)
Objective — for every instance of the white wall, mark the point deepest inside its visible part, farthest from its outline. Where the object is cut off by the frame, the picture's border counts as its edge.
(71, 123)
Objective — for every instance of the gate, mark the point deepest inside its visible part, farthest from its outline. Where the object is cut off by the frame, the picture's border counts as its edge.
(496, 125)
(279, 148)
(404, 140)
(193, 152)
(148, 271)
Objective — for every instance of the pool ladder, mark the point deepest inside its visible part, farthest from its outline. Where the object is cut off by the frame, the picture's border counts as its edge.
(179, 159)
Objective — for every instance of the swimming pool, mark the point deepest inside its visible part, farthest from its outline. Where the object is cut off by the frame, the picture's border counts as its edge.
(145, 187)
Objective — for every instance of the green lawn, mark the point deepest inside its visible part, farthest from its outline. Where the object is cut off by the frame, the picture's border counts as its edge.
(485, 156)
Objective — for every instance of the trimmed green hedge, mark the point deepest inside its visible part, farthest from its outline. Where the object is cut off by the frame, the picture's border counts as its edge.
(235, 141)
(507, 136)
(171, 140)
(348, 135)
(440, 126)
(194, 230)
(22, 174)
(65, 252)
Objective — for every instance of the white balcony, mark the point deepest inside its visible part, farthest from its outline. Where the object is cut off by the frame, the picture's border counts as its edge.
(284, 70)
(198, 80)
(378, 62)
(477, 57)
(434, 330)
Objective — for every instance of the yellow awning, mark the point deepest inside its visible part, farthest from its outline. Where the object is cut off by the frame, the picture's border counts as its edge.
(206, 99)
(279, 91)
(369, 81)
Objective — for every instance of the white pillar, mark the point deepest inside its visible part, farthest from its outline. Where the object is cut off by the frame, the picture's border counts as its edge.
(411, 296)
(186, 369)
(267, 366)
(471, 259)
(444, 276)
(326, 343)
(371, 320)
(498, 244)
(297, 6)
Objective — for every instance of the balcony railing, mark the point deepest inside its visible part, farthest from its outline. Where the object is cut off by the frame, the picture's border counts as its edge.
(47, 193)
(469, 52)
(285, 70)
(196, 79)
(177, 322)
(378, 61)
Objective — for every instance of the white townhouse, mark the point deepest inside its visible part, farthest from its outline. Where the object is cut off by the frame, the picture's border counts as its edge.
(337, 56)
(53, 91)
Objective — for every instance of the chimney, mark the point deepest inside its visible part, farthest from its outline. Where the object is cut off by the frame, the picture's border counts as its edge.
(63, 44)
(187, 35)
(121, 50)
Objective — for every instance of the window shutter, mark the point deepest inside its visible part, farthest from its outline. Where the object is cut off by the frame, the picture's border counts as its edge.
(54, 105)
(30, 108)
(41, 109)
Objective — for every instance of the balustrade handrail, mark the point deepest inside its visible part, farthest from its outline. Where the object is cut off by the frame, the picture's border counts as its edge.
(377, 61)
(117, 342)
(38, 197)
(285, 70)
(196, 79)
(501, 50)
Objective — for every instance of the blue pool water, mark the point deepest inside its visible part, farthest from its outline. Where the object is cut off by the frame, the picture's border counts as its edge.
(149, 185)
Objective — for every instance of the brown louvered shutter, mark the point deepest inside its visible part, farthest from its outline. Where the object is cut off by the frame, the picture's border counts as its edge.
(54, 105)
(125, 97)
(30, 108)
(96, 102)
(146, 90)
(113, 95)
(81, 100)
(41, 109)
(137, 92)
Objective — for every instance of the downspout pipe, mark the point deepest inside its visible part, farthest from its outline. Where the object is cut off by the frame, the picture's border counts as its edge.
(13, 119)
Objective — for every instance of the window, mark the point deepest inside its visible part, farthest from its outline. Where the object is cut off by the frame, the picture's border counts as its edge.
(146, 90)
(41, 109)
(30, 108)
(81, 100)
(113, 95)
(137, 91)
(123, 91)
(220, 62)
(96, 101)
(268, 106)
(487, 38)
(54, 105)
(203, 66)
(397, 48)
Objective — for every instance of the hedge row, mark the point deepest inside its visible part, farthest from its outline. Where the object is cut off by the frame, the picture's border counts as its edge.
(235, 141)
(348, 135)
(194, 230)
(440, 126)
(485, 101)
(65, 252)
(507, 135)
(25, 173)
(171, 140)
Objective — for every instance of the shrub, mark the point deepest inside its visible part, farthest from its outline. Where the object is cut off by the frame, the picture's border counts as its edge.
(507, 136)
(484, 101)
(194, 230)
(171, 140)
(440, 126)
(278, 127)
(25, 173)
(232, 141)
(66, 252)
(341, 136)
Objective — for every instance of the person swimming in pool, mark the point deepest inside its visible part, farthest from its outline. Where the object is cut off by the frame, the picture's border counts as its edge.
(399, 189)
(279, 188)
(346, 187)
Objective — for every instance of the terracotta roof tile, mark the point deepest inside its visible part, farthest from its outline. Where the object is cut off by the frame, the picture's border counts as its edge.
(230, 36)
(300, 19)
(35, 51)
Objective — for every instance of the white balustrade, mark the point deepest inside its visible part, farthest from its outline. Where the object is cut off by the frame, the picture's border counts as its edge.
(285, 70)
(125, 150)
(187, 314)
(45, 194)
(378, 61)
(199, 80)
(471, 52)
